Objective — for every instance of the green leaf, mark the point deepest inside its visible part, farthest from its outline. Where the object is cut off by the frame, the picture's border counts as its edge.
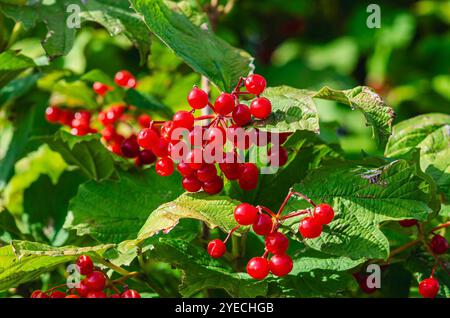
(76, 92)
(98, 76)
(430, 133)
(214, 210)
(200, 271)
(11, 65)
(147, 102)
(114, 211)
(363, 196)
(200, 49)
(23, 261)
(85, 152)
(17, 88)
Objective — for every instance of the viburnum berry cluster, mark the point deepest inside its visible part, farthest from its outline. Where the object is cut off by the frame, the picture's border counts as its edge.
(203, 146)
(95, 284)
(266, 223)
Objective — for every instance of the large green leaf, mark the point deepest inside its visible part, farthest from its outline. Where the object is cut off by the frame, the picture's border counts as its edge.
(200, 49)
(11, 64)
(23, 261)
(114, 211)
(430, 133)
(17, 88)
(86, 152)
(363, 196)
(114, 15)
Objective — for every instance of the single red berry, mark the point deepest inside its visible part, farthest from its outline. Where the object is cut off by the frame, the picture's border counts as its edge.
(263, 224)
(79, 131)
(278, 157)
(323, 213)
(280, 264)
(310, 228)
(108, 133)
(83, 288)
(231, 170)
(255, 84)
(114, 147)
(224, 104)
(277, 243)
(197, 98)
(145, 157)
(429, 287)
(38, 294)
(191, 184)
(195, 158)
(248, 180)
(66, 117)
(161, 148)
(185, 170)
(130, 294)
(95, 281)
(213, 186)
(58, 294)
(85, 265)
(245, 214)
(183, 119)
(53, 114)
(130, 147)
(100, 88)
(439, 244)
(207, 173)
(96, 294)
(164, 166)
(241, 115)
(215, 135)
(216, 248)
(72, 296)
(258, 268)
(407, 223)
(261, 108)
(363, 284)
(144, 120)
(147, 138)
(125, 79)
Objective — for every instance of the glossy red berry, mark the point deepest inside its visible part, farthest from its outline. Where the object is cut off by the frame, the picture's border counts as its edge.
(100, 88)
(207, 173)
(96, 294)
(407, 223)
(185, 170)
(310, 228)
(38, 294)
(277, 243)
(164, 166)
(195, 158)
(130, 294)
(79, 131)
(147, 138)
(125, 79)
(183, 119)
(323, 213)
(224, 104)
(95, 281)
(255, 84)
(197, 98)
(66, 117)
(130, 147)
(161, 148)
(108, 133)
(429, 287)
(53, 114)
(58, 294)
(241, 115)
(245, 214)
(145, 157)
(438, 244)
(83, 288)
(216, 248)
(191, 184)
(280, 264)
(278, 157)
(213, 186)
(144, 120)
(85, 265)
(249, 175)
(231, 170)
(258, 268)
(263, 224)
(261, 108)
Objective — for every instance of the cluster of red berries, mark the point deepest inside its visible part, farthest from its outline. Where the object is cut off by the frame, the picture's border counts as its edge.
(199, 171)
(92, 286)
(266, 223)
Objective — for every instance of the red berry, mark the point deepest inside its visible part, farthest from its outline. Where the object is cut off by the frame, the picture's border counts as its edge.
(144, 120)
(72, 296)
(245, 214)
(278, 157)
(164, 166)
(429, 287)
(362, 282)
(83, 288)
(79, 131)
(213, 186)
(310, 228)
(183, 119)
(191, 184)
(161, 148)
(85, 265)
(38, 294)
(231, 170)
(255, 84)
(145, 157)
(216, 248)
(241, 115)
(147, 138)
(323, 213)
(195, 158)
(100, 88)
(130, 294)
(185, 170)
(261, 108)
(96, 281)
(195, 136)
(108, 133)
(96, 294)
(53, 114)
(258, 268)
(439, 244)
(263, 224)
(125, 79)
(215, 135)
(207, 173)
(277, 243)
(66, 117)
(280, 264)
(197, 98)
(407, 223)
(130, 147)
(248, 180)
(58, 294)
(224, 104)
